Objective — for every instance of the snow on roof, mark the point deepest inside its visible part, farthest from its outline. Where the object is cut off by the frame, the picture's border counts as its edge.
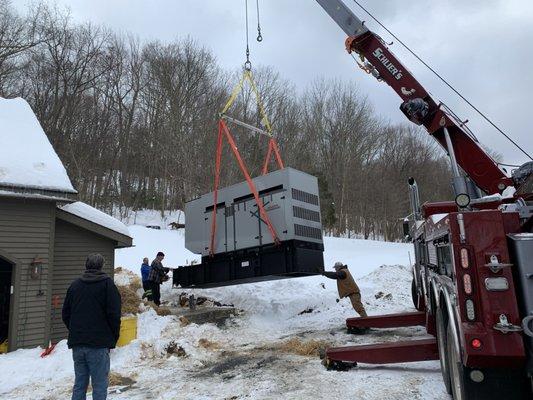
(27, 159)
(91, 214)
(437, 217)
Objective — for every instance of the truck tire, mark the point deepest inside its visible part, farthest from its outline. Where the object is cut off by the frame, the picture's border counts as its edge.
(442, 326)
(417, 301)
(414, 293)
(498, 383)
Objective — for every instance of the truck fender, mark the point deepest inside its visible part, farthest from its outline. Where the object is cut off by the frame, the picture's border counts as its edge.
(450, 305)
(526, 322)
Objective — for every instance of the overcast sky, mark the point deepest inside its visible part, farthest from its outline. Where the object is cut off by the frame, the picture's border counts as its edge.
(484, 47)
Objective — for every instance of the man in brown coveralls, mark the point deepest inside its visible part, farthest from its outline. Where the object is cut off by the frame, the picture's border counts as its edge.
(347, 286)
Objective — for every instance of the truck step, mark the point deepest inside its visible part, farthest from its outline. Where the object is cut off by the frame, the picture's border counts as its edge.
(386, 353)
(387, 321)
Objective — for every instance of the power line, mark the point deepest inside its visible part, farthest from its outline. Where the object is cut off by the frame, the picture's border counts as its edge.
(444, 80)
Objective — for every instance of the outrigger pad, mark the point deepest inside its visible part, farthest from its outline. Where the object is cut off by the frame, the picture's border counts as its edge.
(292, 259)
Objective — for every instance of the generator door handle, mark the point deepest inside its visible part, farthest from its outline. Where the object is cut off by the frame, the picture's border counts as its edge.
(525, 324)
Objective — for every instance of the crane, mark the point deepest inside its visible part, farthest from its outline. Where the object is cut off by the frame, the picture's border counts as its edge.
(473, 275)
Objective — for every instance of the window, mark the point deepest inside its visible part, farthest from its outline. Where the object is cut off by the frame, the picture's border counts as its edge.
(444, 259)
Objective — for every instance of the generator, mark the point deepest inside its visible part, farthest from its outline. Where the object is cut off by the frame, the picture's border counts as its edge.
(244, 250)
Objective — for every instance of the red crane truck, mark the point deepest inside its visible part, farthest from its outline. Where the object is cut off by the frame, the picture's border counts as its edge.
(473, 276)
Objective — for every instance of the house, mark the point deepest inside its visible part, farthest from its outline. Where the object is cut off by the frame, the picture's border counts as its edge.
(45, 234)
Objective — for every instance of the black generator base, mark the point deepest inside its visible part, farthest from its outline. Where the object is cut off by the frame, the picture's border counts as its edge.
(291, 259)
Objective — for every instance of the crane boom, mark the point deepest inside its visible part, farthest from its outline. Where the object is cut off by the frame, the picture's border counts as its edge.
(343, 16)
(418, 106)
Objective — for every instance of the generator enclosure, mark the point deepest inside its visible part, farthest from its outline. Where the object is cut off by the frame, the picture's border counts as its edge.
(244, 249)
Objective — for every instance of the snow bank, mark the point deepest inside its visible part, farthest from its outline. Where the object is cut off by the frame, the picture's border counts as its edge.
(362, 256)
(289, 297)
(25, 367)
(147, 217)
(26, 156)
(89, 213)
(147, 242)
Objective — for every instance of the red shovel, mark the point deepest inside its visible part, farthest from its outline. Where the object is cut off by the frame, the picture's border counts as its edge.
(49, 349)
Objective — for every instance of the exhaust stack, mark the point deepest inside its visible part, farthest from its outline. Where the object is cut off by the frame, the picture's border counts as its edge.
(414, 198)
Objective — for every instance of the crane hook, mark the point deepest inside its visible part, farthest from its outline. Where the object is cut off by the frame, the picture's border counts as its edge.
(259, 35)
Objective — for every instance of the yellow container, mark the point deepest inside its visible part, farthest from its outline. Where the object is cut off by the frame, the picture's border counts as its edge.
(3, 347)
(128, 331)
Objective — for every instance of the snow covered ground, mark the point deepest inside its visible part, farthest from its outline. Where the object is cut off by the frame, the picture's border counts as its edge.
(246, 357)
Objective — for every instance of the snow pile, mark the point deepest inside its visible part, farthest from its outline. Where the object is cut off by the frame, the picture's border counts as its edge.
(364, 256)
(26, 368)
(125, 277)
(91, 214)
(26, 156)
(388, 287)
(147, 242)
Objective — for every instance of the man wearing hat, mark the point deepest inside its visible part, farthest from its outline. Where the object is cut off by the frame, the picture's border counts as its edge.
(156, 276)
(347, 286)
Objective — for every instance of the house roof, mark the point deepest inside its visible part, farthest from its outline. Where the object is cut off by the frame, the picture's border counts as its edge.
(27, 159)
(87, 217)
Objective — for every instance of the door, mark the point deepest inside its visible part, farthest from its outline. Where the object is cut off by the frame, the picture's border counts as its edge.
(6, 272)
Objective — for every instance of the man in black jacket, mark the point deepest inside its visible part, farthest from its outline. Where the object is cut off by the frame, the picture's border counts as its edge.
(158, 275)
(91, 312)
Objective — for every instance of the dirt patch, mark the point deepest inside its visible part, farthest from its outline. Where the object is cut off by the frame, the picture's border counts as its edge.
(184, 321)
(162, 311)
(227, 364)
(174, 349)
(310, 348)
(115, 379)
(208, 344)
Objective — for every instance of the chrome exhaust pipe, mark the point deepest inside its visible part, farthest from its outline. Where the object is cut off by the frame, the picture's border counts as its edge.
(414, 198)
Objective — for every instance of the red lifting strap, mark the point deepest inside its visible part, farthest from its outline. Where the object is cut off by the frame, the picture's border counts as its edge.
(272, 147)
(224, 131)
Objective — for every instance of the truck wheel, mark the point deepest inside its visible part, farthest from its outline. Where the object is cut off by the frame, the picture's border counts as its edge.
(498, 383)
(414, 294)
(455, 365)
(443, 351)
(417, 301)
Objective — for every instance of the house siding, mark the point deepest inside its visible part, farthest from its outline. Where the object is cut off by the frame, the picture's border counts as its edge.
(71, 246)
(26, 230)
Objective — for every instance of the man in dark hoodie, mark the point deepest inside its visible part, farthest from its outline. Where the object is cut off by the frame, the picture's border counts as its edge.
(157, 275)
(91, 312)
